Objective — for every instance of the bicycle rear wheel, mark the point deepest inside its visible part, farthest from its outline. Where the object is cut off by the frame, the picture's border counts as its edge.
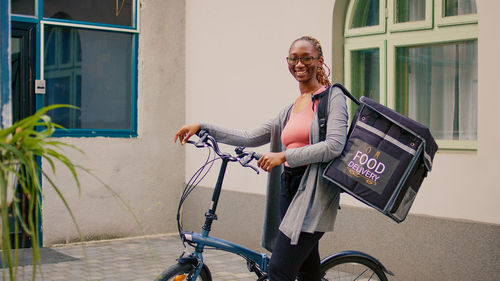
(350, 268)
(181, 272)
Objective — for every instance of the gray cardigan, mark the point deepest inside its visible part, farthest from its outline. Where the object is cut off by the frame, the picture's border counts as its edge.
(315, 204)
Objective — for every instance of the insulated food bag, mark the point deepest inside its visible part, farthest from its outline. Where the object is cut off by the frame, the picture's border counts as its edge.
(385, 159)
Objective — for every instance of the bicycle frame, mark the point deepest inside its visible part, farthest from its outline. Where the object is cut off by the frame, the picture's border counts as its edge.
(204, 240)
(256, 262)
(259, 259)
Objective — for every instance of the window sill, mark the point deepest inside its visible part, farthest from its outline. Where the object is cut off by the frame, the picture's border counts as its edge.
(87, 133)
(456, 145)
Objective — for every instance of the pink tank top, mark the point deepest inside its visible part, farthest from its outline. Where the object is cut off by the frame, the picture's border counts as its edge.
(296, 131)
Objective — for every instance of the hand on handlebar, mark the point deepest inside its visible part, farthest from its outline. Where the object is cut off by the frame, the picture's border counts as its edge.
(266, 162)
(270, 160)
(186, 131)
(247, 158)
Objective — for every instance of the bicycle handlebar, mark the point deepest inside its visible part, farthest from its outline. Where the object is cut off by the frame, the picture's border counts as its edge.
(242, 156)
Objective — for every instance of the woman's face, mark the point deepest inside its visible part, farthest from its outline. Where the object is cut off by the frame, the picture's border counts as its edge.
(303, 72)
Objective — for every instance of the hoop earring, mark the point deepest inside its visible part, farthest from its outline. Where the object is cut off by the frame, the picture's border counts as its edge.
(328, 69)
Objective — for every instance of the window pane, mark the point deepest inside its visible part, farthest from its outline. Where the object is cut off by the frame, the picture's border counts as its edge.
(366, 13)
(117, 12)
(16, 53)
(23, 7)
(92, 70)
(410, 10)
(365, 73)
(459, 7)
(437, 86)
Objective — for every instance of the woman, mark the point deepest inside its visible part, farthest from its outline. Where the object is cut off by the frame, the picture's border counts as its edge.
(307, 203)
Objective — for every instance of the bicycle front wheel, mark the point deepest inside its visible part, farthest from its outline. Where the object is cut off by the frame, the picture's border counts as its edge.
(351, 268)
(182, 272)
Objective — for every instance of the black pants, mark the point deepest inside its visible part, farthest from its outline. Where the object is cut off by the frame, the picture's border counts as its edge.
(299, 261)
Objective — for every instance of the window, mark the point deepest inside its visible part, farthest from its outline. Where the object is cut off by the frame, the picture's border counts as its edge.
(366, 73)
(424, 70)
(409, 11)
(451, 12)
(88, 59)
(438, 87)
(23, 7)
(365, 17)
(100, 86)
(406, 15)
(112, 12)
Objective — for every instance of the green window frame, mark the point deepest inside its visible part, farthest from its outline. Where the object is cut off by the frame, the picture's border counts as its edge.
(443, 20)
(434, 30)
(379, 15)
(363, 45)
(394, 8)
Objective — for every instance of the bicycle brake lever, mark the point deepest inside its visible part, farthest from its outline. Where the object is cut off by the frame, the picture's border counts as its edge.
(245, 160)
(200, 144)
(202, 139)
(253, 168)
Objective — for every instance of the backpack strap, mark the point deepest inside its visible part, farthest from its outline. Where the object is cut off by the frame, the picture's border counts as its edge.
(346, 92)
(322, 111)
(323, 107)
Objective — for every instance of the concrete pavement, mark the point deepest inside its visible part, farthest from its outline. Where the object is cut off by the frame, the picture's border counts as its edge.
(130, 259)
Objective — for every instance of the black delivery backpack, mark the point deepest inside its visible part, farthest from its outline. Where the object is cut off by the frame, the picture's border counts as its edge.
(385, 159)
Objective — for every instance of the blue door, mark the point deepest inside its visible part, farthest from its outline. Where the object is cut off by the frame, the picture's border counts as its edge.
(23, 101)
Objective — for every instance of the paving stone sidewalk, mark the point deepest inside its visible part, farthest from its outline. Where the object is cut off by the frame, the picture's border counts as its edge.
(131, 259)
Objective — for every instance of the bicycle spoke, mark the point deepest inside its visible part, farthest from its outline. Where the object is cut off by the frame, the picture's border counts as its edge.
(360, 275)
(351, 268)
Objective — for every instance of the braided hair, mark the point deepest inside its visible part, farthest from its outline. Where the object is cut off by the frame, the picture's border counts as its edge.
(321, 74)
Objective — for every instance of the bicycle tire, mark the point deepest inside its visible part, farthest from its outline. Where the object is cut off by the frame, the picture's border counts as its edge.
(177, 270)
(348, 268)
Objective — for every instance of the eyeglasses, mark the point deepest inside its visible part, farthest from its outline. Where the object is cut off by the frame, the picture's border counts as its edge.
(304, 60)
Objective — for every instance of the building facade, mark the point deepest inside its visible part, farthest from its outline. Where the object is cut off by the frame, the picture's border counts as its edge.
(139, 70)
(402, 53)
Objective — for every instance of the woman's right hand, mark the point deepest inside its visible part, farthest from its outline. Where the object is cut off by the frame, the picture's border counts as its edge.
(270, 160)
(186, 131)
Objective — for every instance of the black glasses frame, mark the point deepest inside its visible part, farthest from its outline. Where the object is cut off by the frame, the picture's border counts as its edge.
(295, 61)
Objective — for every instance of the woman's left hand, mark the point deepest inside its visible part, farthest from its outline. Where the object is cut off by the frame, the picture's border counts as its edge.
(271, 160)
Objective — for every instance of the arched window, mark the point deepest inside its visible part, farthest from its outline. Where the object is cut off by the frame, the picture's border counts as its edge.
(420, 58)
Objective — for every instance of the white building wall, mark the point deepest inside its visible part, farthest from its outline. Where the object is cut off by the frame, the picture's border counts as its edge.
(223, 62)
(236, 72)
(236, 76)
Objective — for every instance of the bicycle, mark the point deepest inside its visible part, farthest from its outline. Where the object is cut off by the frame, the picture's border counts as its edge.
(347, 265)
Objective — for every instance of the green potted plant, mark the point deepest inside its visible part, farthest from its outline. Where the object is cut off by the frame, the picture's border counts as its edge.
(22, 148)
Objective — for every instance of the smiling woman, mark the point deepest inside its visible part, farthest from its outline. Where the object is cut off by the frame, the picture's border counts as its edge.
(307, 203)
(312, 52)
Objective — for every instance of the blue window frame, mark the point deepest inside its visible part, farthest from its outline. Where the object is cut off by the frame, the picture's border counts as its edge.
(5, 98)
(87, 55)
